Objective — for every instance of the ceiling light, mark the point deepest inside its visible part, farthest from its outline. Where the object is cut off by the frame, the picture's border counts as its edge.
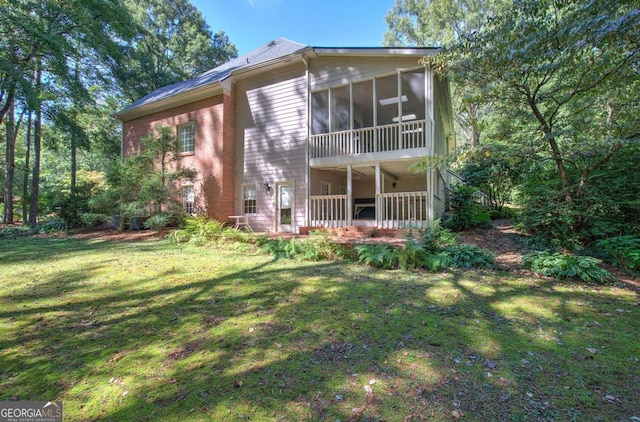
(393, 100)
(405, 118)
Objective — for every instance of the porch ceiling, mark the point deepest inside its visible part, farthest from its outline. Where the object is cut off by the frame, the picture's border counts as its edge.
(396, 168)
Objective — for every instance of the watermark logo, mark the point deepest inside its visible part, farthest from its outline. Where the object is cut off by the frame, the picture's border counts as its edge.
(30, 411)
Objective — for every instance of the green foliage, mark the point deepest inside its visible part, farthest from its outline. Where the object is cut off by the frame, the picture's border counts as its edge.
(468, 256)
(494, 169)
(157, 221)
(15, 231)
(435, 250)
(199, 231)
(466, 212)
(435, 237)
(623, 250)
(90, 219)
(378, 255)
(317, 247)
(609, 207)
(51, 225)
(174, 44)
(563, 77)
(566, 266)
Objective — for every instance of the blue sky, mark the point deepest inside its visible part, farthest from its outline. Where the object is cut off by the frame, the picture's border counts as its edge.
(250, 24)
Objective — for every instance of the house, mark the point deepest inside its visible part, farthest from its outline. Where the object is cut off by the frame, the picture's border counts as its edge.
(295, 136)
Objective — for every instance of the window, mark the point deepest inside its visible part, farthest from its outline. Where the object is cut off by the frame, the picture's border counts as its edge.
(189, 200)
(187, 137)
(250, 199)
(325, 188)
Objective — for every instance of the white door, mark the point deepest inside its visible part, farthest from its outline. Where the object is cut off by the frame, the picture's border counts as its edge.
(285, 207)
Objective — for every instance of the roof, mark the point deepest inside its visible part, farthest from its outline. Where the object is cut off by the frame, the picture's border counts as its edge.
(274, 50)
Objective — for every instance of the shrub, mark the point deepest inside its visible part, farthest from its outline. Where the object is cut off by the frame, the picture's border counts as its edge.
(410, 255)
(436, 237)
(90, 219)
(468, 256)
(380, 255)
(51, 225)
(318, 246)
(566, 266)
(624, 251)
(467, 213)
(157, 222)
(435, 261)
(199, 230)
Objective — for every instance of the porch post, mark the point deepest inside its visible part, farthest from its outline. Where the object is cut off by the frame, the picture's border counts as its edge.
(349, 194)
(378, 198)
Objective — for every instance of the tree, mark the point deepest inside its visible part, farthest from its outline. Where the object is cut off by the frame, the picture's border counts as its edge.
(564, 77)
(175, 43)
(51, 36)
(444, 23)
(559, 65)
(494, 169)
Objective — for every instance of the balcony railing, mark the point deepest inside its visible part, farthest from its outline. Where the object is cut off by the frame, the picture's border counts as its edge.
(393, 137)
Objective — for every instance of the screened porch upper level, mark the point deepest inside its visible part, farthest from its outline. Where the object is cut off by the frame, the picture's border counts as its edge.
(380, 117)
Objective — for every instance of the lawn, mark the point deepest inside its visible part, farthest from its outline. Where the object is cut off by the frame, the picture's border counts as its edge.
(130, 331)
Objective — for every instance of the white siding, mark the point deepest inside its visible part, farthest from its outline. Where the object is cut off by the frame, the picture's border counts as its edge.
(333, 71)
(271, 135)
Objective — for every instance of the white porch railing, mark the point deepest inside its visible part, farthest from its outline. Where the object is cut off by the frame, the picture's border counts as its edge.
(329, 211)
(402, 210)
(393, 137)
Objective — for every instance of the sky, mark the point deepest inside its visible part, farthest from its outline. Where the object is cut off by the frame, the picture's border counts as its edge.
(250, 24)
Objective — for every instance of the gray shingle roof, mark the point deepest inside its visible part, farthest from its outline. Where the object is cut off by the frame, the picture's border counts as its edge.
(273, 50)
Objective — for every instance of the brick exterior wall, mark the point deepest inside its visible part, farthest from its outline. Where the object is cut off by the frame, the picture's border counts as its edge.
(213, 158)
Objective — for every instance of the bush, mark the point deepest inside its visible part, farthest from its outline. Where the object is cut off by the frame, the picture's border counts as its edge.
(436, 237)
(467, 213)
(90, 219)
(51, 225)
(624, 251)
(199, 230)
(157, 222)
(379, 255)
(468, 256)
(609, 206)
(566, 266)
(317, 247)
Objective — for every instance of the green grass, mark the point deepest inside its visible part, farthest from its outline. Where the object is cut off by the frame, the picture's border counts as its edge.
(129, 331)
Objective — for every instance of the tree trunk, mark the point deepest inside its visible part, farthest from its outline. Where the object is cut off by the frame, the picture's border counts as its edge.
(37, 141)
(556, 154)
(10, 166)
(475, 136)
(74, 163)
(25, 180)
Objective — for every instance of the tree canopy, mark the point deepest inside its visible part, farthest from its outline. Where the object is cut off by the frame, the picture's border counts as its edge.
(174, 43)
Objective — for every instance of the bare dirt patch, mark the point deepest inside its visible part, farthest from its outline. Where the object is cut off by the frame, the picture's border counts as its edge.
(508, 246)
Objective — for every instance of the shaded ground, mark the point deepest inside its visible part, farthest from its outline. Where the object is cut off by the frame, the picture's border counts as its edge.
(507, 245)
(501, 239)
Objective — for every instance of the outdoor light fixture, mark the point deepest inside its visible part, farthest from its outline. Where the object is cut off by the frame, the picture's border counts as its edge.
(267, 187)
(393, 100)
(405, 118)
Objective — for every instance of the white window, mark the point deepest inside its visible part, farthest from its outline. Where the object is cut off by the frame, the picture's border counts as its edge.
(189, 200)
(325, 188)
(250, 199)
(187, 137)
